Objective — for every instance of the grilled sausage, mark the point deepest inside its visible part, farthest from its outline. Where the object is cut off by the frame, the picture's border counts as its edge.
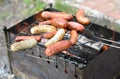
(75, 26)
(42, 28)
(48, 22)
(29, 43)
(59, 22)
(21, 38)
(59, 12)
(58, 36)
(81, 18)
(48, 35)
(105, 47)
(51, 15)
(57, 47)
(74, 37)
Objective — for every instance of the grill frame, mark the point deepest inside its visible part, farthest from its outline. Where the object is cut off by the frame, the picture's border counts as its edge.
(8, 38)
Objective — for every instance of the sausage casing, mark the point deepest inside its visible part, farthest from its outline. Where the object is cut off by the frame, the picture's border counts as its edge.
(51, 15)
(42, 28)
(75, 26)
(81, 18)
(48, 35)
(73, 37)
(48, 22)
(57, 37)
(21, 38)
(105, 47)
(57, 47)
(59, 22)
(29, 43)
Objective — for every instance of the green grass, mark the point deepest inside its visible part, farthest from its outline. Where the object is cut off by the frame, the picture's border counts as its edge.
(39, 5)
(1, 1)
(64, 7)
(28, 1)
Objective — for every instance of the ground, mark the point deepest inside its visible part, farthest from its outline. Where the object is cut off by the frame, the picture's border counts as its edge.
(11, 12)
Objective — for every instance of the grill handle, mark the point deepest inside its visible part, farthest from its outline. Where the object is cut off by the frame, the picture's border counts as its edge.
(9, 53)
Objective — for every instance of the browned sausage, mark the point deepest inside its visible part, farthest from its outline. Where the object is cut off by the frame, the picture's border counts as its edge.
(73, 37)
(105, 47)
(81, 18)
(51, 15)
(48, 22)
(59, 22)
(59, 12)
(80, 12)
(49, 35)
(20, 38)
(57, 47)
(75, 26)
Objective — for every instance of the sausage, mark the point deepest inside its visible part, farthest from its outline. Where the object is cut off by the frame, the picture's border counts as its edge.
(57, 37)
(51, 15)
(81, 18)
(59, 22)
(80, 12)
(29, 43)
(48, 35)
(57, 47)
(75, 26)
(42, 28)
(73, 37)
(59, 12)
(48, 22)
(105, 47)
(21, 38)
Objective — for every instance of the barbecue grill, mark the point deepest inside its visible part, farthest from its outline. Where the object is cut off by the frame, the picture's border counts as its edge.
(87, 60)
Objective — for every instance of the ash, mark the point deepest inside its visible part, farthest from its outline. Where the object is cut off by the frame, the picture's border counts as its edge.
(4, 70)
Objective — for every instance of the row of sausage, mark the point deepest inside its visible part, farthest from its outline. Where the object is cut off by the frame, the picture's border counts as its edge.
(54, 27)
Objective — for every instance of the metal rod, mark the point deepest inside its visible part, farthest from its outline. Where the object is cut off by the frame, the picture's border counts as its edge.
(43, 58)
(102, 39)
(108, 40)
(9, 53)
(72, 55)
(88, 27)
(112, 45)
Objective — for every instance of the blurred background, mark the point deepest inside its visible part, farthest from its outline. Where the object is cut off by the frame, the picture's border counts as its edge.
(12, 11)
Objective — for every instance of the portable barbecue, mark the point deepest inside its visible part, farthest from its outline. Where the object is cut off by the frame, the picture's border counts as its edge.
(85, 61)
